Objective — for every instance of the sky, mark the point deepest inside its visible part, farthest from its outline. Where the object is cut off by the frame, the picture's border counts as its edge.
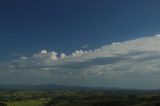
(112, 43)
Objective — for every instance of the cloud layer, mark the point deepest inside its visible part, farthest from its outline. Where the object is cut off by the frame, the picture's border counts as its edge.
(129, 64)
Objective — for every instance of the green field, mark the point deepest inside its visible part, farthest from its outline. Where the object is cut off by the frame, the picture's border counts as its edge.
(28, 103)
(80, 98)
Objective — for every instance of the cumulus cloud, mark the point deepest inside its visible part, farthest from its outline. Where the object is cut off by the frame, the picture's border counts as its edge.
(63, 55)
(46, 55)
(132, 64)
(116, 43)
(53, 55)
(79, 53)
(43, 51)
(157, 35)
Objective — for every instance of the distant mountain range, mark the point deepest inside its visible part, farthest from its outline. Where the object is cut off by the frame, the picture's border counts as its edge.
(33, 87)
(64, 87)
(47, 87)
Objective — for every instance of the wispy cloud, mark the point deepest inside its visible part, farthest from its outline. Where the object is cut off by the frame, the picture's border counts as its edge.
(85, 46)
(126, 64)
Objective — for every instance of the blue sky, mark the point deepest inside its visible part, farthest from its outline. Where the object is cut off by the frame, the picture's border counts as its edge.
(27, 26)
(85, 42)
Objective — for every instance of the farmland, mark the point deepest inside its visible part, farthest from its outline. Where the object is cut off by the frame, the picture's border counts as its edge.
(78, 97)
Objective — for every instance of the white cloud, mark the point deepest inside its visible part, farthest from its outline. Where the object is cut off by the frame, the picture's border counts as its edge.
(133, 63)
(63, 55)
(23, 57)
(43, 51)
(46, 55)
(53, 55)
(157, 35)
(116, 43)
(79, 53)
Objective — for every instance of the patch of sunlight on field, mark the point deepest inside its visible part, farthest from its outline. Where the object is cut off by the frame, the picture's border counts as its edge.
(28, 103)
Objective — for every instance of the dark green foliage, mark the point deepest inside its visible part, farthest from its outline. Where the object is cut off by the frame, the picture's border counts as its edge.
(3, 104)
